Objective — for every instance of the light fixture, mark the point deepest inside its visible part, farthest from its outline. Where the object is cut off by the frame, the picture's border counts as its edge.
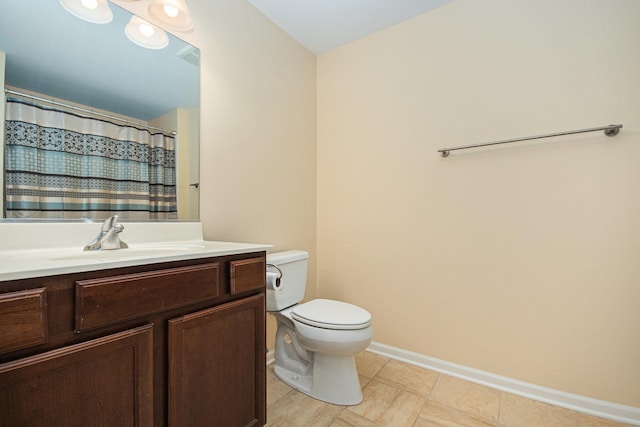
(173, 14)
(145, 34)
(95, 11)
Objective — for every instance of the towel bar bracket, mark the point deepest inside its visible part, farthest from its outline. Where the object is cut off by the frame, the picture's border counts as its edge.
(612, 131)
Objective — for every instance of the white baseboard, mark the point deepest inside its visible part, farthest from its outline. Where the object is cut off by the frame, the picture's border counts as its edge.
(587, 405)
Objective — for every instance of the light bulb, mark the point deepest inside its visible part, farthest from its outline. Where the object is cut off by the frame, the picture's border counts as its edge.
(171, 11)
(145, 34)
(172, 14)
(95, 11)
(146, 30)
(89, 4)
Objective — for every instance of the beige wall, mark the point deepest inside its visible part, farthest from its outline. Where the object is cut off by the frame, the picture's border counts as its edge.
(191, 120)
(520, 260)
(257, 130)
(186, 124)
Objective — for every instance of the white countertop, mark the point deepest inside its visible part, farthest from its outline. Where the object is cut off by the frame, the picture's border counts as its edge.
(30, 250)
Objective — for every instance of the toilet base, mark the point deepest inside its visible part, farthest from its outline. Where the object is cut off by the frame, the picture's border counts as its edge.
(333, 379)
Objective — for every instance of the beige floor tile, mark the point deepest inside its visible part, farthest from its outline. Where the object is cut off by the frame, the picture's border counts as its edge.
(275, 388)
(394, 397)
(436, 414)
(363, 381)
(403, 411)
(407, 377)
(516, 411)
(369, 364)
(349, 419)
(377, 398)
(474, 399)
(296, 409)
(387, 406)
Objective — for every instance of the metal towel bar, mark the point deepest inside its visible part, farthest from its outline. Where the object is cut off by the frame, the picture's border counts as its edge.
(611, 130)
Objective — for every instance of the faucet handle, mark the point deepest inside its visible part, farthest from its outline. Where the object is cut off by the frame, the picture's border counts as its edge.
(110, 223)
(107, 238)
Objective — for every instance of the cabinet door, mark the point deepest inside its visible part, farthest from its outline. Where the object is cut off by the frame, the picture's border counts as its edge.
(23, 319)
(104, 382)
(217, 366)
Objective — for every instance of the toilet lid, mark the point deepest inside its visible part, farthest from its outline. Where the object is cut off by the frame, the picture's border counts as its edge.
(329, 314)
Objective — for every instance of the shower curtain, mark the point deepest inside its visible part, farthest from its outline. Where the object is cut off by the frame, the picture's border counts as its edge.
(60, 164)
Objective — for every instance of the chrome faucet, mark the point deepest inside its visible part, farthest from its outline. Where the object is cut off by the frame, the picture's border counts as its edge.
(108, 237)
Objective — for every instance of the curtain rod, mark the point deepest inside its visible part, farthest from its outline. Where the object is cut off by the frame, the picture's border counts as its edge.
(611, 130)
(94, 113)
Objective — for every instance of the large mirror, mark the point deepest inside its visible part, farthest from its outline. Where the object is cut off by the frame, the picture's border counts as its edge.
(52, 55)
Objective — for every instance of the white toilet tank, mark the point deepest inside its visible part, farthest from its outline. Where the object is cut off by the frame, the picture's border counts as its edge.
(293, 265)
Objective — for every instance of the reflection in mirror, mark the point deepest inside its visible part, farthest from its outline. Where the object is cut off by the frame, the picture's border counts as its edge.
(95, 125)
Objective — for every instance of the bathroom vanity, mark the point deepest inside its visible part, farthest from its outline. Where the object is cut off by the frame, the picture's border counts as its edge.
(172, 336)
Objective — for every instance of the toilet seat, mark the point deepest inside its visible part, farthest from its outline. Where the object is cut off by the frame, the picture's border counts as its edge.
(329, 314)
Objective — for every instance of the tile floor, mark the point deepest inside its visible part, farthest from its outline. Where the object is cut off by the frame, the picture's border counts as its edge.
(398, 394)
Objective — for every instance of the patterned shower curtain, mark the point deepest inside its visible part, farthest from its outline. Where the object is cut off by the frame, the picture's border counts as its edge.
(63, 165)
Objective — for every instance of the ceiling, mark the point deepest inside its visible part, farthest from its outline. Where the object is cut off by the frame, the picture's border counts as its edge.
(54, 53)
(322, 25)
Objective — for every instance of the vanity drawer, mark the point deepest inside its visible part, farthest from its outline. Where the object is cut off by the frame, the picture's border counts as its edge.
(115, 299)
(247, 275)
(23, 319)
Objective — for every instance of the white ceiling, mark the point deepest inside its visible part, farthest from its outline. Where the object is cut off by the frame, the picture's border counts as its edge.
(47, 51)
(322, 25)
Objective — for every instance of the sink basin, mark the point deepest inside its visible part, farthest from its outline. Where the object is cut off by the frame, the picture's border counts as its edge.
(134, 251)
(167, 247)
(34, 249)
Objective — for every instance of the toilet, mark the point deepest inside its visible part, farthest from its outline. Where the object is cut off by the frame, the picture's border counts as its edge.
(315, 341)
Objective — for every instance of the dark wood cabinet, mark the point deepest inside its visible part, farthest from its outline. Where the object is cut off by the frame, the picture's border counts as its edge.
(103, 382)
(179, 343)
(23, 319)
(221, 350)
